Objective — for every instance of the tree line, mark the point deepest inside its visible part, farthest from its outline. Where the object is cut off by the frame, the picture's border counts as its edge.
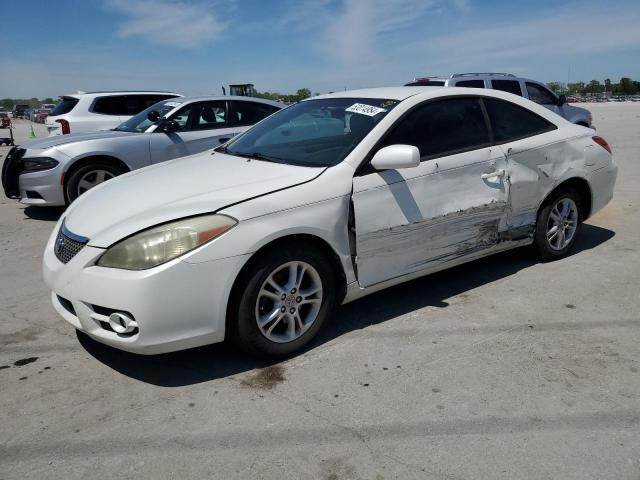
(301, 94)
(8, 103)
(625, 86)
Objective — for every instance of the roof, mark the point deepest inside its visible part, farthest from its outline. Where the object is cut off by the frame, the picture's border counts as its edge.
(391, 93)
(203, 98)
(126, 91)
(119, 92)
(426, 93)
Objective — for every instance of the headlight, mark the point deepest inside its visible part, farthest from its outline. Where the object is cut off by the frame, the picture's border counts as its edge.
(160, 244)
(38, 163)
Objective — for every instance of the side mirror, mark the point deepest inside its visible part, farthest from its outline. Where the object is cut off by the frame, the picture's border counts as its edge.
(171, 126)
(394, 157)
(562, 99)
(153, 116)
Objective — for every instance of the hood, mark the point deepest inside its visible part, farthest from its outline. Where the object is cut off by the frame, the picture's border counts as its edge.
(198, 184)
(58, 140)
(573, 109)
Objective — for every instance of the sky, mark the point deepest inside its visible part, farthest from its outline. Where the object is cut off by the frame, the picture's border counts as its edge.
(196, 46)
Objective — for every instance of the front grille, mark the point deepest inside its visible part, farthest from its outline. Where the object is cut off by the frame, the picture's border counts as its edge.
(11, 169)
(67, 244)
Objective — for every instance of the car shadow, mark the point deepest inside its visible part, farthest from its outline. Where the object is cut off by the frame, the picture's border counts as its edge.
(225, 359)
(48, 214)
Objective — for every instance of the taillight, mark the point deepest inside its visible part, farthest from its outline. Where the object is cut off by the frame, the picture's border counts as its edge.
(603, 143)
(66, 128)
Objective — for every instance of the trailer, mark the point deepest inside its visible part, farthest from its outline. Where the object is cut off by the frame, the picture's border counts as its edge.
(5, 124)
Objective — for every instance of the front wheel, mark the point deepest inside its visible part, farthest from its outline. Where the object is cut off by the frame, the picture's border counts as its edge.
(87, 177)
(558, 224)
(286, 298)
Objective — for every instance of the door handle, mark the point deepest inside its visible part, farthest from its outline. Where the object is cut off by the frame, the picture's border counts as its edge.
(497, 173)
(224, 140)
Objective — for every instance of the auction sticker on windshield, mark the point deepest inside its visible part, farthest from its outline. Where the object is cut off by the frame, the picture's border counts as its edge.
(364, 109)
(172, 104)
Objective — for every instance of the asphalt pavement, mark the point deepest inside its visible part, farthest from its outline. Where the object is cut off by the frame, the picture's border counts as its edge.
(505, 368)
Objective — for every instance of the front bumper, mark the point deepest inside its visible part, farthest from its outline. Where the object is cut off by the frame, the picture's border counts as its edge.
(42, 188)
(177, 305)
(32, 188)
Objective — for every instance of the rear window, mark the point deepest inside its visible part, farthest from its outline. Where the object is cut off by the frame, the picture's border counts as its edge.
(511, 122)
(65, 106)
(509, 86)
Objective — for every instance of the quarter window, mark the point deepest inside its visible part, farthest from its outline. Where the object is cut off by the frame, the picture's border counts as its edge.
(443, 127)
(539, 94)
(510, 86)
(471, 83)
(511, 122)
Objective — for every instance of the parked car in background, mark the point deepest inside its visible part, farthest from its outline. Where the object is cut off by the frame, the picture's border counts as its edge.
(27, 113)
(56, 170)
(5, 121)
(19, 110)
(94, 111)
(324, 202)
(41, 115)
(523, 87)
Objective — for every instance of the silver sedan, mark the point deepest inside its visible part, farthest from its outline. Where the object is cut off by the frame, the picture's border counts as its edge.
(57, 170)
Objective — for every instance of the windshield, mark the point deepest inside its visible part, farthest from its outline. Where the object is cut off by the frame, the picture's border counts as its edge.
(140, 123)
(314, 133)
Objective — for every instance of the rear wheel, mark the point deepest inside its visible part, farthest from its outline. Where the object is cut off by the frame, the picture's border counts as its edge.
(558, 224)
(87, 177)
(285, 300)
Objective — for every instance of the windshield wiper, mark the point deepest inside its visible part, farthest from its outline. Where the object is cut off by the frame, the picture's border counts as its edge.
(259, 156)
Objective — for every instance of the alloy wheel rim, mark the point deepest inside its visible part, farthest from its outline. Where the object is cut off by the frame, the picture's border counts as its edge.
(562, 224)
(288, 302)
(92, 179)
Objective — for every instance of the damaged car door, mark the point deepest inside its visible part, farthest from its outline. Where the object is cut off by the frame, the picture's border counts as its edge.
(450, 206)
(536, 156)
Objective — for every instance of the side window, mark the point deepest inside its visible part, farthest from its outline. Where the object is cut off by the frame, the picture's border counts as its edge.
(248, 113)
(510, 86)
(443, 127)
(112, 105)
(511, 122)
(539, 94)
(212, 115)
(201, 116)
(470, 83)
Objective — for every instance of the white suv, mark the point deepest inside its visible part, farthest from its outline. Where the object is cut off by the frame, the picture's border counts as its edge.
(507, 82)
(93, 111)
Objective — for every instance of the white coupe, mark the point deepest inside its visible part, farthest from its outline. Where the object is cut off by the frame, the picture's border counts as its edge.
(319, 204)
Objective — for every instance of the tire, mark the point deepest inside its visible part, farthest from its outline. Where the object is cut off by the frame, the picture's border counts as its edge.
(562, 210)
(258, 299)
(87, 177)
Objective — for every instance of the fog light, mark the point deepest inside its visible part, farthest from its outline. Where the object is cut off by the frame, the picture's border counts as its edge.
(122, 323)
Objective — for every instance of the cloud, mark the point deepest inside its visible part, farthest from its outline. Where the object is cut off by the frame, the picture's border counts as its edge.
(589, 31)
(361, 39)
(178, 24)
